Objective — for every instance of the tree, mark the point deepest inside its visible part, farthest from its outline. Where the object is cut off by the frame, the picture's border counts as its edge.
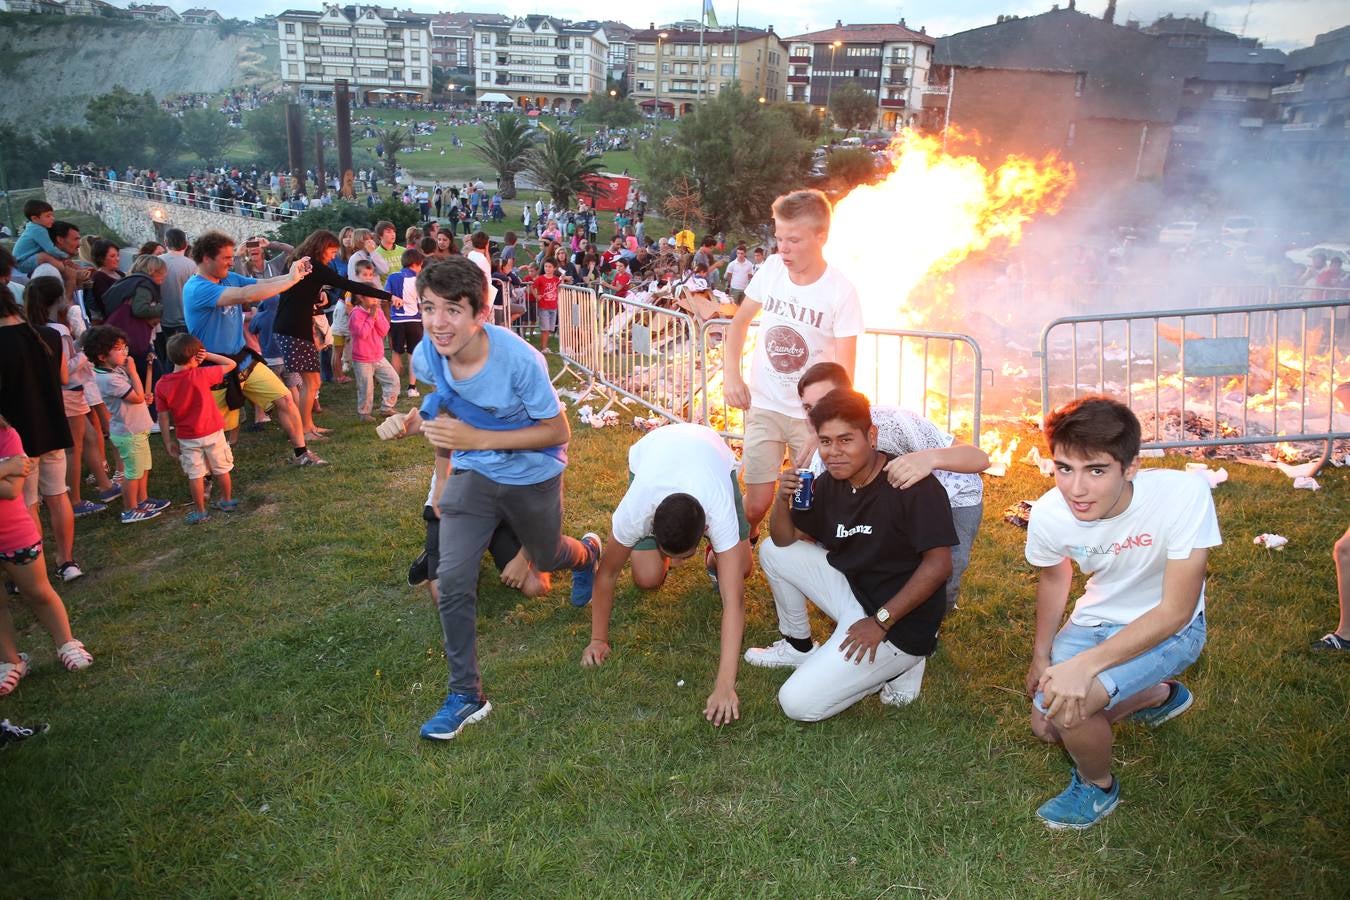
(392, 139)
(615, 112)
(805, 120)
(851, 166)
(683, 203)
(206, 133)
(131, 128)
(560, 165)
(267, 126)
(738, 156)
(334, 218)
(505, 145)
(852, 107)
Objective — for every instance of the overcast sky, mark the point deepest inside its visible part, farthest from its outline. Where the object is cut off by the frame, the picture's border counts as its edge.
(1279, 23)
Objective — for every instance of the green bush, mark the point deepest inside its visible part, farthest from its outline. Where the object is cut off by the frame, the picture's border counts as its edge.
(338, 216)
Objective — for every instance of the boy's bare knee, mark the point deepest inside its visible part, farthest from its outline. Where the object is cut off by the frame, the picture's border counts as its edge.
(1042, 728)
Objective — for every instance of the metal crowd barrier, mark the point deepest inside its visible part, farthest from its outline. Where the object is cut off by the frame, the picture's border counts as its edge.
(1254, 374)
(176, 197)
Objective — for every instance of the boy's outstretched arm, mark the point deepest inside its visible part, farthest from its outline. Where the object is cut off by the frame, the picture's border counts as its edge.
(723, 704)
(612, 559)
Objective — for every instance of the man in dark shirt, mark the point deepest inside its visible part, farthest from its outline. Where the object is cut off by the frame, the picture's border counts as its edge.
(870, 556)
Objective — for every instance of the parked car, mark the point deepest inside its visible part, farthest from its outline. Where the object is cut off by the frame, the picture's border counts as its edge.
(1237, 228)
(1179, 233)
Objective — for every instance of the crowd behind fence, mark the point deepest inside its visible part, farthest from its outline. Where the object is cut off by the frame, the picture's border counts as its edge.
(178, 197)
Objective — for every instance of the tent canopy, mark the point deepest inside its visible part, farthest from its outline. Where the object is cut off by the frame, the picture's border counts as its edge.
(495, 98)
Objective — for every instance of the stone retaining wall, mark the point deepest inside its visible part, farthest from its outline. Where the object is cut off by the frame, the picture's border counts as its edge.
(139, 220)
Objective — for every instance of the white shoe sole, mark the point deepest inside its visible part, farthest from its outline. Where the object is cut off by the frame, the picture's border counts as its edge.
(774, 662)
(1066, 826)
(476, 717)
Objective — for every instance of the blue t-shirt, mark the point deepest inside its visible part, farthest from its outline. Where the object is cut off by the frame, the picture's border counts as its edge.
(263, 325)
(220, 328)
(510, 392)
(403, 308)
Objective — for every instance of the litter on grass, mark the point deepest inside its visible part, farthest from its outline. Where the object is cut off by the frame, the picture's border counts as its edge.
(1271, 541)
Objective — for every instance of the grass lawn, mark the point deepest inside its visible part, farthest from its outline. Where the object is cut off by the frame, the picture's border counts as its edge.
(86, 223)
(250, 724)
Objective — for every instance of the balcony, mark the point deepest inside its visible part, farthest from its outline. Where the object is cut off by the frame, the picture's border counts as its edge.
(1294, 88)
(799, 79)
(892, 103)
(1303, 126)
(898, 61)
(896, 81)
(800, 58)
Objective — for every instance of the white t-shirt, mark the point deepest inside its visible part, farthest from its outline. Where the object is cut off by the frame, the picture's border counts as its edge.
(798, 326)
(479, 259)
(1170, 514)
(679, 459)
(900, 431)
(739, 273)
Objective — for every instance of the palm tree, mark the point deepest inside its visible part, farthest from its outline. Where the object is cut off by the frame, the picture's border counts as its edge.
(560, 165)
(504, 145)
(394, 139)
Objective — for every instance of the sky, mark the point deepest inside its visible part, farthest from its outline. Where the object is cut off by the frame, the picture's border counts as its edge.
(1285, 24)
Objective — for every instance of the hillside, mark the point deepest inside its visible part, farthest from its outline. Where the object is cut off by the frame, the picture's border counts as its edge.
(61, 63)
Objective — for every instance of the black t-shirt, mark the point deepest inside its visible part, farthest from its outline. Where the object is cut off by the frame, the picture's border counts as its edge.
(30, 388)
(877, 538)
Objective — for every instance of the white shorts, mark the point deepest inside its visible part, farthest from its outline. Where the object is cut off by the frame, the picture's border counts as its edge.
(48, 478)
(198, 455)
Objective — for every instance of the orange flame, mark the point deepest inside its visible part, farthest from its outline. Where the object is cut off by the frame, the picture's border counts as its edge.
(1000, 453)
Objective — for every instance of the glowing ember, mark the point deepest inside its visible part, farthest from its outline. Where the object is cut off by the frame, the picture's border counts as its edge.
(1000, 454)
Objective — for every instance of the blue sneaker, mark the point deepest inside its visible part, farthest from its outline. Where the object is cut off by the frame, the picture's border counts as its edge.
(150, 504)
(1178, 701)
(583, 578)
(87, 508)
(110, 494)
(458, 711)
(1082, 805)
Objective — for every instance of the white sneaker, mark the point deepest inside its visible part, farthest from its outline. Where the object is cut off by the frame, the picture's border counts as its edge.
(903, 689)
(778, 655)
(412, 392)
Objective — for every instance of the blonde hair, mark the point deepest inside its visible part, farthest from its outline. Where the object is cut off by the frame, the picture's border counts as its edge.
(87, 248)
(810, 205)
(146, 264)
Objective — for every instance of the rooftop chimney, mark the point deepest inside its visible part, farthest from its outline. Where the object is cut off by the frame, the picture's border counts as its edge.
(902, 22)
(1204, 19)
(923, 29)
(1073, 4)
(838, 23)
(1110, 14)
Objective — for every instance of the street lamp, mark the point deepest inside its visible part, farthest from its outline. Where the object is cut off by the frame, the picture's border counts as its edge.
(829, 85)
(659, 38)
(761, 99)
(613, 93)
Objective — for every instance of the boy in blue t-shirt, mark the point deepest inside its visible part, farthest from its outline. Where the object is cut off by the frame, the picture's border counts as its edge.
(495, 414)
(405, 319)
(36, 240)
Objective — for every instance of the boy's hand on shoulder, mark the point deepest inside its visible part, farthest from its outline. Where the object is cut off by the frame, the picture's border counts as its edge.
(908, 470)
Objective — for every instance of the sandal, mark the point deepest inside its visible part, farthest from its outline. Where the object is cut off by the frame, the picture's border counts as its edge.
(196, 517)
(12, 673)
(73, 656)
(1332, 641)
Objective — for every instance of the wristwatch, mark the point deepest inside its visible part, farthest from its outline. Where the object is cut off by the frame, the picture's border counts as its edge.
(883, 618)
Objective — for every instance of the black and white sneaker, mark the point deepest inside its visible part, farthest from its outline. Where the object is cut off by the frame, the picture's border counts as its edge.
(13, 734)
(418, 572)
(69, 571)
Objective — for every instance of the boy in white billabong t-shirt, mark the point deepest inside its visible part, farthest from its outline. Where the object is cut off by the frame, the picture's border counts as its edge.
(811, 315)
(682, 486)
(1144, 539)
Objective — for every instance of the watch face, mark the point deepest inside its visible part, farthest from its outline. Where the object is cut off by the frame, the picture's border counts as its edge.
(883, 616)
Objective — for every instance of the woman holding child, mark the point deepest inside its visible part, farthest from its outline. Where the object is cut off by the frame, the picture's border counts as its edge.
(294, 326)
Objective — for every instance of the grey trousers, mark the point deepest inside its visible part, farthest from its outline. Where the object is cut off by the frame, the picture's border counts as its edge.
(472, 506)
(967, 522)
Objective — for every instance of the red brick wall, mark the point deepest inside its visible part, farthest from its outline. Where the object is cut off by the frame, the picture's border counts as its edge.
(1030, 113)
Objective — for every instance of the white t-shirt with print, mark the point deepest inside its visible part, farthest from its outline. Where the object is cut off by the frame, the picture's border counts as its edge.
(679, 459)
(900, 431)
(1170, 514)
(798, 326)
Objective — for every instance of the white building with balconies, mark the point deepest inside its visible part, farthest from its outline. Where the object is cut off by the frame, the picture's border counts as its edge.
(384, 54)
(541, 62)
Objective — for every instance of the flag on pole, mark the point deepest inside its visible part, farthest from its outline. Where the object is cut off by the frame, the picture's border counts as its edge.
(709, 16)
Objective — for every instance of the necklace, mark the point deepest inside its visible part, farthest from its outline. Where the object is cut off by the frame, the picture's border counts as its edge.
(870, 475)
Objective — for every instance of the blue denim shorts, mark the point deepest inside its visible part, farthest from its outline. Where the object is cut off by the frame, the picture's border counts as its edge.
(1173, 655)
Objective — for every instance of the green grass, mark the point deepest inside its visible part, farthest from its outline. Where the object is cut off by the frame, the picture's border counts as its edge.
(250, 725)
(87, 223)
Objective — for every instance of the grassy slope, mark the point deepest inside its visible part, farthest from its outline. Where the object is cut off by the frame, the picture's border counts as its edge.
(250, 724)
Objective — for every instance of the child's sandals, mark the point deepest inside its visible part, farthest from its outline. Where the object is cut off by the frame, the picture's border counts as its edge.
(12, 673)
(73, 656)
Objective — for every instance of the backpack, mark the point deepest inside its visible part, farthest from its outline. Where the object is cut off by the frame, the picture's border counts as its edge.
(122, 291)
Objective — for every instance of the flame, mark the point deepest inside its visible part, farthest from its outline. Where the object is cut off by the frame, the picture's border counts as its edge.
(1000, 450)
(932, 210)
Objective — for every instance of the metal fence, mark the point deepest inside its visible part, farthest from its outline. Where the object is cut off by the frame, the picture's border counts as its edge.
(1253, 374)
(177, 197)
(1075, 297)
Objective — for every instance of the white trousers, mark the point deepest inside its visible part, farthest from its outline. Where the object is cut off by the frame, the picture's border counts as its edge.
(826, 683)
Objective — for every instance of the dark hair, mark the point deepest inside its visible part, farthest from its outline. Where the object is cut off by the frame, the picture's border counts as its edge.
(411, 257)
(824, 371)
(510, 237)
(175, 239)
(363, 263)
(209, 245)
(848, 406)
(709, 241)
(314, 247)
(456, 278)
(678, 524)
(101, 249)
(428, 245)
(6, 261)
(35, 207)
(182, 347)
(99, 340)
(40, 297)
(1095, 424)
(382, 226)
(60, 228)
(148, 248)
(479, 240)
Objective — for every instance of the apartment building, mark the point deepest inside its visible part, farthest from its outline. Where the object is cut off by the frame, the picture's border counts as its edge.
(452, 39)
(541, 62)
(1311, 133)
(890, 62)
(621, 51)
(670, 77)
(152, 12)
(384, 54)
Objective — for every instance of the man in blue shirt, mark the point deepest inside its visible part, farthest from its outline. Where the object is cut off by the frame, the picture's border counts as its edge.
(213, 302)
(495, 413)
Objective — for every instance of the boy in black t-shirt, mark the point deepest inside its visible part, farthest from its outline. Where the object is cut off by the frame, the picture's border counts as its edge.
(872, 557)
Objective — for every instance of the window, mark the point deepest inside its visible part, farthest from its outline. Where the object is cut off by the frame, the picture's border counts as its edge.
(485, 59)
(681, 49)
(484, 39)
(329, 31)
(576, 80)
(290, 28)
(646, 66)
(292, 69)
(1079, 82)
(578, 44)
(665, 68)
(417, 56)
(485, 77)
(726, 70)
(292, 50)
(647, 49)
(416, 75)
